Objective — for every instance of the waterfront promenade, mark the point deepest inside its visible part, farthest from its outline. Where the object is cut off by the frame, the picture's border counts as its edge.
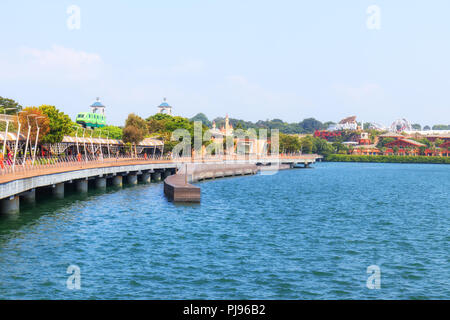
(21, 182)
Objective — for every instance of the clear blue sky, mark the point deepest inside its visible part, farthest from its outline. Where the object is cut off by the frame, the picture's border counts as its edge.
(250, 59)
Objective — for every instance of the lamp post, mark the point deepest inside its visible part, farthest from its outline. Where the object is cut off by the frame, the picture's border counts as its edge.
(92, 144)
(6, 130)
(76, 140)
(107, 141)
(37, 137)
(100, 138)
(28, 138)
(84, 144)
(17, 140)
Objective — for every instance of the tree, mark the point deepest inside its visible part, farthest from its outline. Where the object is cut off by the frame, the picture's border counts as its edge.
(322, 147)
(438, 142)
(395, 149)
(134, 120)
(416, 126)
(426, 142)
(135, 129)
(289, 143)
(30, 117)
(384, 141)
(307, 144)
(201, 117)
(441, 127)
(310, 125)
(426, 128)
(113, 132)
(133, 135)
(60, 124)
(9, 104)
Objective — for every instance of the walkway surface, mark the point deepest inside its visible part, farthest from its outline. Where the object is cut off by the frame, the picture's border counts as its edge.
(39, 170)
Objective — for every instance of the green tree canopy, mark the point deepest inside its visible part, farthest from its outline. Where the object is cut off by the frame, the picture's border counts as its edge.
(201, 117)
(113, 132)
(289, 143)
(441, 127)
(60, 124)
(6, 103)
(135, 129)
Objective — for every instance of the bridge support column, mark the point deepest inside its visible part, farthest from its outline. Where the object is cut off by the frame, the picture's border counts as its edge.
(29, 196)
(166, 173)
(117, 181)
(100, 183)
(146, 177)
(58, 191)
(10, 205)
(132, 178)
(82, 186)
(156, 176)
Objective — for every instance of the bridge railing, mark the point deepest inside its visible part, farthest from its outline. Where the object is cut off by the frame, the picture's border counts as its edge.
(28, 165)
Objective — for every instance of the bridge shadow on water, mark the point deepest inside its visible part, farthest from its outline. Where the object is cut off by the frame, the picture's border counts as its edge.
(47, 204)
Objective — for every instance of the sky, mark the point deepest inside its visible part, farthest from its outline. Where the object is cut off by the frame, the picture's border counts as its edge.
(253, 60)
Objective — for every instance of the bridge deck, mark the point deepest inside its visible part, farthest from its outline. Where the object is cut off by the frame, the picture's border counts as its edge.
(28, 178)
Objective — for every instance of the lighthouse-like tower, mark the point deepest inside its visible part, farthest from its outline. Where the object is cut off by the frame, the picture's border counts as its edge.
(98, 107)
(165, 107)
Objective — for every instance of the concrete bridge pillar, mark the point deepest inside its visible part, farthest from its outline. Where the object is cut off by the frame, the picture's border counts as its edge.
(146, 177)
(156, 176)
(29, 196)
(117, 181)
(10, 205)
(167, 173)
(82, 186)
(58, 191)
(100, 183)
(132, 179)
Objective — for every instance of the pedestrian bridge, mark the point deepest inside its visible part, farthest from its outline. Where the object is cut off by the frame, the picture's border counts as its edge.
(20, 182)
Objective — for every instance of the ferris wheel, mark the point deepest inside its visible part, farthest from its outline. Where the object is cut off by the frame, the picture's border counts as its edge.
(401, 125)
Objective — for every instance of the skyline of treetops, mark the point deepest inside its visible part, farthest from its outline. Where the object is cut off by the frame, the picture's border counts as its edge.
(306, 126)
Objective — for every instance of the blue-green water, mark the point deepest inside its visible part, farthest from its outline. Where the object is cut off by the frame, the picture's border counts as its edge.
(299, 234)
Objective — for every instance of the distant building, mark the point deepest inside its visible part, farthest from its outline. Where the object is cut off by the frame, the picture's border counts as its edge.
(224, 131)
(364, 139)
(348, 123)
(165, 107)
(98, 107)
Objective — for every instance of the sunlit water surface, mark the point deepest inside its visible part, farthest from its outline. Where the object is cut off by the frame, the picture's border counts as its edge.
(298, 234)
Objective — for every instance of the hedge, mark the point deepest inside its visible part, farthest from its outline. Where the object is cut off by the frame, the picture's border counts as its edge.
(386, 159)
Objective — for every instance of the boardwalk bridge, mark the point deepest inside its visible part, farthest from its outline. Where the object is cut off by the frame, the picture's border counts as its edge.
(21, 182)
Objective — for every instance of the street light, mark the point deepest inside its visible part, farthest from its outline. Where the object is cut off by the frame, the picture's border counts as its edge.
(100, 140)
(92, 144)
(17, 140)
(28, 138)
(76, 139)
(37, 136)
(84, 143)
(7, 126)
(107, 140)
